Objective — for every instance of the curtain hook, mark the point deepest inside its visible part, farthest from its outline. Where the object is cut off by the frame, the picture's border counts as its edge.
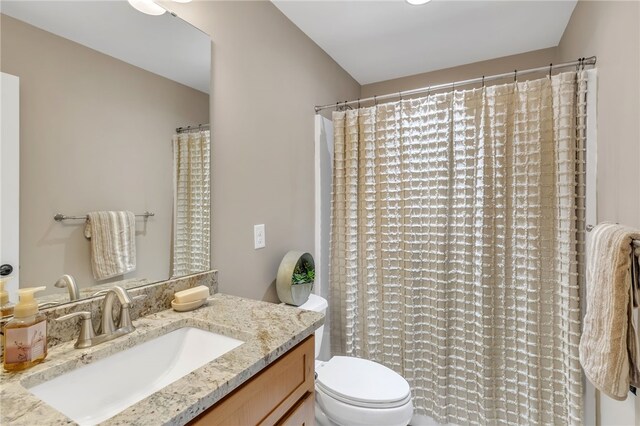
(337, 107)
(550, 68)
(483, 81)
(375, 100)
(358, 103)
(400, 94)
(515, 75)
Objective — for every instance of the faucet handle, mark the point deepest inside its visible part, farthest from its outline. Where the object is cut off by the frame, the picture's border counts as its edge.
(125, 315)
(87, 334)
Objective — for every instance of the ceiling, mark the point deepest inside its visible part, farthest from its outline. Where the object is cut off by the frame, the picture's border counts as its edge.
(164, 45)
(381, 40)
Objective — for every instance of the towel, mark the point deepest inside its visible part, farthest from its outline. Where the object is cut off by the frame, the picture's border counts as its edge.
(608, 346)
(113, 244)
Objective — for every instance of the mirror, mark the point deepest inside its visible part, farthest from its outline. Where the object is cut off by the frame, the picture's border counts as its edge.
(103, 91)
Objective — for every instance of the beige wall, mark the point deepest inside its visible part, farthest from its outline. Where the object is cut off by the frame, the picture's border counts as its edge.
(526, 60)
(267, 77)
(95, 134)
(611, 31)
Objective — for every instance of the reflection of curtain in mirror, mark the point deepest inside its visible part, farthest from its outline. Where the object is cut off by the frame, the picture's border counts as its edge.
(191, 217)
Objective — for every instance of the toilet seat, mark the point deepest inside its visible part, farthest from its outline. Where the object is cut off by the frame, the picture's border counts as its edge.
(362, 383)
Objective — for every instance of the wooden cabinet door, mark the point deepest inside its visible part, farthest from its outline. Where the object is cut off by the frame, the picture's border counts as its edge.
(270, 395)
(302, 414)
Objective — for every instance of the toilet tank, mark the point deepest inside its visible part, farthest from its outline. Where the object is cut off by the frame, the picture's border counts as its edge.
(316, 304)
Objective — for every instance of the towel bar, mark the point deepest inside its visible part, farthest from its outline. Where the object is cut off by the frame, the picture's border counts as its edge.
(59, 217)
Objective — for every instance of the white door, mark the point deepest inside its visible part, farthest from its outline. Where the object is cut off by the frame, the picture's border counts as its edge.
(10, 181)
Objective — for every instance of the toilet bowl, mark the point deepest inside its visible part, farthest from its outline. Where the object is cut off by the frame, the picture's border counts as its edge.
(353, 391)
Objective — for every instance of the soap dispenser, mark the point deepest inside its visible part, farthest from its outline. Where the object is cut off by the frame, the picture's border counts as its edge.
(6, 307)
(25, 336)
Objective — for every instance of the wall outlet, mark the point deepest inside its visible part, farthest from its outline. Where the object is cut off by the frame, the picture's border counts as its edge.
(259, 238)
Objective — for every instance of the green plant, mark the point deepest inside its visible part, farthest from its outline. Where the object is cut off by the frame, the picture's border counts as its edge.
(303, 273)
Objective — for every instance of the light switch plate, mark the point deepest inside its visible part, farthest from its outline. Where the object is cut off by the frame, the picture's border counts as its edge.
(259, 238)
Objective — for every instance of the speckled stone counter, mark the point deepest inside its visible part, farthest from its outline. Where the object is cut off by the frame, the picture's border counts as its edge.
(268, 330)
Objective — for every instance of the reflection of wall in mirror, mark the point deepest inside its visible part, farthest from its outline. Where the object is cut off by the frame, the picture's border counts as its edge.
(95, 135)
(9, 176)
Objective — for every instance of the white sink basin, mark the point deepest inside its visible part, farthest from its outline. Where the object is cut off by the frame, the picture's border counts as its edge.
(93, 393)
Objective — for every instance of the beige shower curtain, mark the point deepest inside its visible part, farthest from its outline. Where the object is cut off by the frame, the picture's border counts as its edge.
(192, 202)
(453, 248)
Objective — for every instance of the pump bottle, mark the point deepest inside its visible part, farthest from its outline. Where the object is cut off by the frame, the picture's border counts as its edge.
(25, 336)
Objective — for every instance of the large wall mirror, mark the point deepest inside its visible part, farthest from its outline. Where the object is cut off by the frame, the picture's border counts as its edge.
(113, 117)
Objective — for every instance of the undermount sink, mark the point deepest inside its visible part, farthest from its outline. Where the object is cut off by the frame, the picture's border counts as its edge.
(98, 391)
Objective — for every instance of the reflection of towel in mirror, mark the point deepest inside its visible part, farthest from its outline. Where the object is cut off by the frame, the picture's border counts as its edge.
(609, 347)
(113, 244)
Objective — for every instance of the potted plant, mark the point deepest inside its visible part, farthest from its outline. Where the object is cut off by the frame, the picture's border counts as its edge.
(296, 275)
(303, 273)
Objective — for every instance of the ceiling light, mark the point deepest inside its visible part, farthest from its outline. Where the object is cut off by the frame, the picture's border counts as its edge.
(147, 6)
(182, 1)
(418, 2)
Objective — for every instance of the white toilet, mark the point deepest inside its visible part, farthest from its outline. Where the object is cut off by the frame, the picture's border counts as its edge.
(357, 392)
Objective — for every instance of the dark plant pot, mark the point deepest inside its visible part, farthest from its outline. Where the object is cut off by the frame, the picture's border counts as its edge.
(293, 294)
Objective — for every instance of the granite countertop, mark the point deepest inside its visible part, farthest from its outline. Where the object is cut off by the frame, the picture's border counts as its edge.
(268, 330)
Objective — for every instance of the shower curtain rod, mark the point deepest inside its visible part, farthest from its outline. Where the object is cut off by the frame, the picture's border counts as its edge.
(189, 128)
(580, 62)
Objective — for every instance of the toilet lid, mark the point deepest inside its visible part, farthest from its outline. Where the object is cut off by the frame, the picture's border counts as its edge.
(362, 382)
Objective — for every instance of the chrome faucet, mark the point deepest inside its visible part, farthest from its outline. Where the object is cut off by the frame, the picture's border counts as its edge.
(107, 325)
(108, 330)
(68, 282)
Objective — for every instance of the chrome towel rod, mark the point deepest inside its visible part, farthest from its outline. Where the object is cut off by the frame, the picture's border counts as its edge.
(581, 62)
(59, 217)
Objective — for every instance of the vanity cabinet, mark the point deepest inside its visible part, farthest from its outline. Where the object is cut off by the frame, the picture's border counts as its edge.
(281, 394)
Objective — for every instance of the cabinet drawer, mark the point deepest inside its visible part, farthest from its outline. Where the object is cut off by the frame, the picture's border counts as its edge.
(270, 395)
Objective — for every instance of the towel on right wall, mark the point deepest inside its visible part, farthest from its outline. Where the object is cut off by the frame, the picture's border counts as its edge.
(609, 346)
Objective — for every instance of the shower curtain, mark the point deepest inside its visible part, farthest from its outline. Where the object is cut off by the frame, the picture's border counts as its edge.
(455, 227)
(192, 202)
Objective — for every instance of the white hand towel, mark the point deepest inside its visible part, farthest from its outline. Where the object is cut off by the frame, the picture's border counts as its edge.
(113, 243)
(608, 346)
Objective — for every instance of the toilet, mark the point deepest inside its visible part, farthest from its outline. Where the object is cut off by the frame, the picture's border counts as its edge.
(353, 391)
